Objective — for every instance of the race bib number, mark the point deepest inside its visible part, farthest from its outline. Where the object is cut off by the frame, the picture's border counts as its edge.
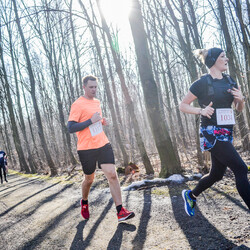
(225, 117)
(95, 128)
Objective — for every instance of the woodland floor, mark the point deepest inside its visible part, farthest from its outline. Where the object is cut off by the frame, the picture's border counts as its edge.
(44, 213)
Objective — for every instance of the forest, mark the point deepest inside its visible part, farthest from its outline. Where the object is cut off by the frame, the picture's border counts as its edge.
(143, 55)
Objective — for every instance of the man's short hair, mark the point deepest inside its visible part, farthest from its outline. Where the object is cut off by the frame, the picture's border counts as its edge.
(87, 78)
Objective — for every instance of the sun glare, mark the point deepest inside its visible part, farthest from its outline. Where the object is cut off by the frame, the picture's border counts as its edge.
(116, 11)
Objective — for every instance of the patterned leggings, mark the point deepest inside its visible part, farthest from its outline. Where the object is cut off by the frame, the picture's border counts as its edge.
(224, 155)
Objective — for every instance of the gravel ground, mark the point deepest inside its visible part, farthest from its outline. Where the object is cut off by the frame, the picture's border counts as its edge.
(38, 214)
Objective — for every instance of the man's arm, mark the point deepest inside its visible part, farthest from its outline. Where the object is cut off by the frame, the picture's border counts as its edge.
(78, 126)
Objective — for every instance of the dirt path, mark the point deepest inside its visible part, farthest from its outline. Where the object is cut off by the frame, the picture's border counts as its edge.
(37, 214)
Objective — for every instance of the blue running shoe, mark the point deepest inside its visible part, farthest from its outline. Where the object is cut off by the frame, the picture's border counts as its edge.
(188, 202)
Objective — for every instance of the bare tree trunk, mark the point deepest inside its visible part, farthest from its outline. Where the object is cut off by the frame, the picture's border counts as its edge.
(171, 80)
(22, 161)
(33, 96)
(108, 91)
(233, 72)
(129, 103)
(5, 135)
(167, 90)
(75, 49)
(246, 49)
(54, 67)
(169, 162)
(191, 66)
(32, 163)
(117, 110)
(28, 117)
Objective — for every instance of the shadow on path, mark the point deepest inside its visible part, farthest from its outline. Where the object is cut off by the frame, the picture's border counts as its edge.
(52, 224)
(26, 182)
(88, 239)
(199, 232)
(27, 198)
(78, 239)
(35, 207)
(79, 242)
(116, 241)
(39, 238)
(232, 199)
(140, 238)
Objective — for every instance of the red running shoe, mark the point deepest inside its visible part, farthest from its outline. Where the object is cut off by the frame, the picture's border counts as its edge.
(84, 210)
(124, 214)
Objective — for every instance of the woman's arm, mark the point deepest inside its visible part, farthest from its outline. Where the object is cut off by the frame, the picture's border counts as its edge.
(187, 108)
(238, 99)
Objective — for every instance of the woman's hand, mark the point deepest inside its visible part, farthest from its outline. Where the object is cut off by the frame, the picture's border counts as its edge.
(238, 98)
(237, 94)
(208, 111)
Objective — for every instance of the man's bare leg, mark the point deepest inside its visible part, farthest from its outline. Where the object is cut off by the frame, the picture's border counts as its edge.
(114, 185)
(86, 184)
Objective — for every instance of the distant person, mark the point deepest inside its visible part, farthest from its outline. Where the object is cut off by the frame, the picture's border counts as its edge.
(3, 166)
(93, 146)
(215, 93)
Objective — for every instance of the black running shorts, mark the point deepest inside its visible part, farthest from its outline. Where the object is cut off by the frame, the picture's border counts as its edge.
(89, 158)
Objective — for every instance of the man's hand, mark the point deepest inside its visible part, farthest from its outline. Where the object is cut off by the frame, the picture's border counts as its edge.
(96, 117)
(105, 122)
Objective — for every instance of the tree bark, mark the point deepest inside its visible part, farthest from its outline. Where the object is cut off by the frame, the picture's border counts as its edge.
(169, 162)
(22, 161)
(33, 96)
(32, 163)
(129, 103)
(233, 72)
(191, 67)
(107, 88)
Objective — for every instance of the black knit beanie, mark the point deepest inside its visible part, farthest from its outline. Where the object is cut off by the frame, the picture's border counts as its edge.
(212, 56)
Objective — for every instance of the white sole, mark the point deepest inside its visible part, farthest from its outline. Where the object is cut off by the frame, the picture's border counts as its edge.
(130, 216)
(185, 205)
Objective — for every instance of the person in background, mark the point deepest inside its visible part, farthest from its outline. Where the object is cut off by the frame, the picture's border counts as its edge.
(3, 166)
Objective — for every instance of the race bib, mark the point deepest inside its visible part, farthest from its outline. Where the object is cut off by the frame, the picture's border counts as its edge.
(95, 128)
(225, 117)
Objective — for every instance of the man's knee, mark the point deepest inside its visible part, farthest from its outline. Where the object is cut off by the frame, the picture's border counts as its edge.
(88, 180)
(111, 175)
(109, 171)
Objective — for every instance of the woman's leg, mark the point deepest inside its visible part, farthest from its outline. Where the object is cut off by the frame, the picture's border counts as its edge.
(227, 155)
(216, 173)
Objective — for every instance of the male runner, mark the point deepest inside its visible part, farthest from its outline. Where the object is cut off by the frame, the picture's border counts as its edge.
(93, 146)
